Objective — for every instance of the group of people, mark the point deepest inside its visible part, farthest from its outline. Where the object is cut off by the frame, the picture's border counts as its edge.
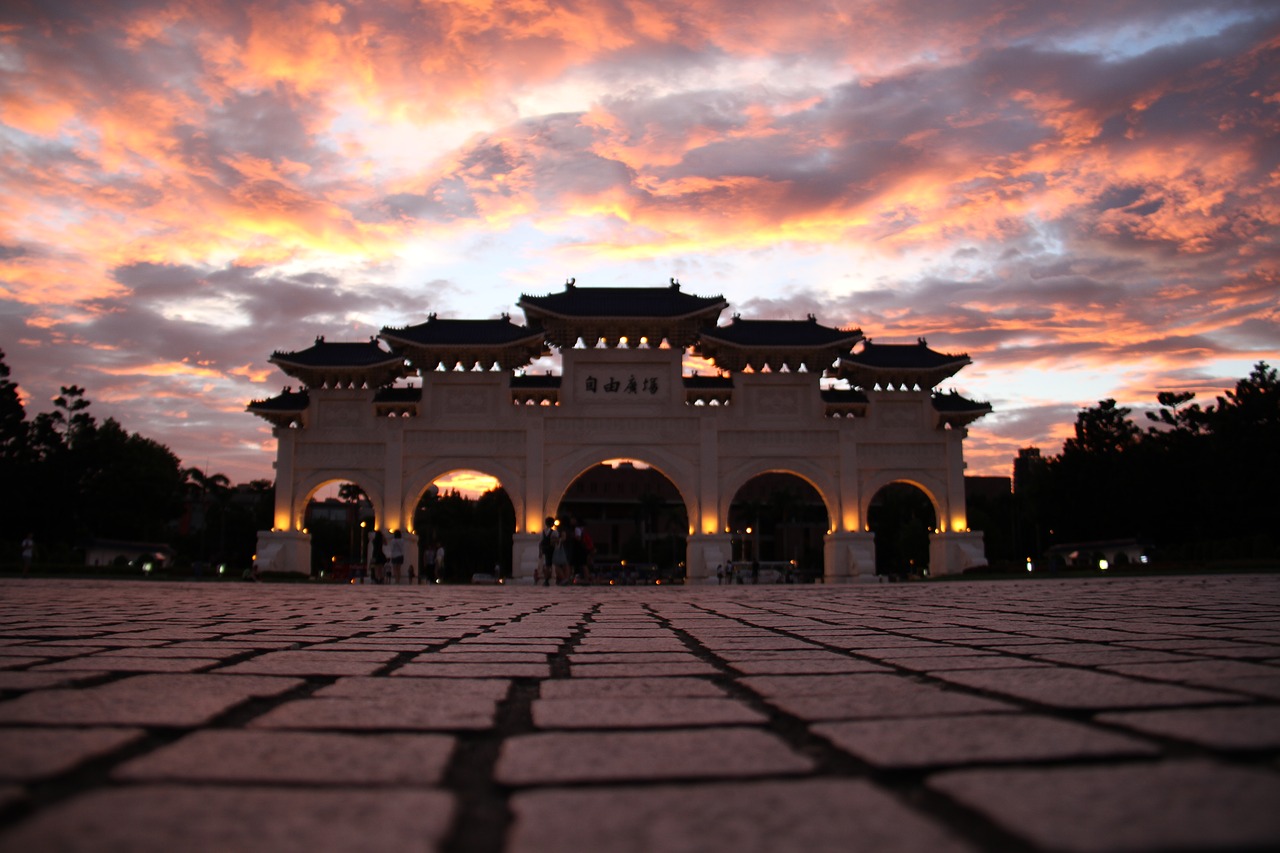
(565, 553)
(385, 561)
(731, 574)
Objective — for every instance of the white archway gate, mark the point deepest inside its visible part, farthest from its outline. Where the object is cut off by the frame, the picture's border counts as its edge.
(618, 396)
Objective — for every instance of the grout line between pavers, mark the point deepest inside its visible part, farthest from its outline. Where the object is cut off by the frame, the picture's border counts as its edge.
(484, 814)
(908, 785)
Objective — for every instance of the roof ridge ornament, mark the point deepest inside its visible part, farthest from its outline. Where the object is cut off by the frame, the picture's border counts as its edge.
(675, 283)
(570, 282)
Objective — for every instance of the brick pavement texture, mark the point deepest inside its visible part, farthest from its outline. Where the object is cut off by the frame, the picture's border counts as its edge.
(1032, 715)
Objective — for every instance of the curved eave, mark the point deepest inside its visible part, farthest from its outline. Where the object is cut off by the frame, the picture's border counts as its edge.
(680, 331)
(621, 303)
(869, 376)
(429, 357)
(844, 403)
(281, 410)
(733, 356)
(372, 375)
(957, 411)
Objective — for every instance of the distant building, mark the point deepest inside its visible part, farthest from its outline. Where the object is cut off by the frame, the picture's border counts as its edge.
(1028, 466)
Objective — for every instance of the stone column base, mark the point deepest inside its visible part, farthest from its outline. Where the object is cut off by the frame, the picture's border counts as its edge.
(524, 557)
(849, 557)
(703, 553)
(952, 553)
(283, 552)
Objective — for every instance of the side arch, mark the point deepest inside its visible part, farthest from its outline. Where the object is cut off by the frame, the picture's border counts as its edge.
(417, 482)
(370, 484)
(934, 489)
(822, 481)
(672, 466)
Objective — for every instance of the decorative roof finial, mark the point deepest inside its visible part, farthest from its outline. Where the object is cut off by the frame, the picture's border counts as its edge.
(675, 283)
(921, 341)
(570, 282)
(431, 318)
(319, 339)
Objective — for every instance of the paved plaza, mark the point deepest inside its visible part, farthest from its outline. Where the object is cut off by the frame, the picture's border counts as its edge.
(1075, 715)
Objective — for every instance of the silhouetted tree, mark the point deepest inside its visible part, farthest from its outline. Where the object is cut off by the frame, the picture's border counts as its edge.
(1198, 482)
(67, 477)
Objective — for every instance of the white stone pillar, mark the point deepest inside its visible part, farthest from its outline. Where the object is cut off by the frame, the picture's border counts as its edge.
(849, 557)
(703, 552)
(411, 557)
(524, 557)
(952, 553)
(286, 444)
(710, 515)
(283, 552)
(849, 507)
(535, 498)
(393, 480)
(957, 519)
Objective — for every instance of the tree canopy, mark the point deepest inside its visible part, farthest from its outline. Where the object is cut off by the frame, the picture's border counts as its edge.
(1196, 482)
(69, 478)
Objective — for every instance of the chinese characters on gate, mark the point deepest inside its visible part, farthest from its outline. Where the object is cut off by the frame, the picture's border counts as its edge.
(614, 386)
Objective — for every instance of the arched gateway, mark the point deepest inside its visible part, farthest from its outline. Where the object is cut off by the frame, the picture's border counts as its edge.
(623, 392)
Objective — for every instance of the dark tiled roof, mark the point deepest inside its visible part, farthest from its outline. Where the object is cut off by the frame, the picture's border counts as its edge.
(536, 381)
(287, 401)
(576, 301)
(437, 332)
(398, 395)
(953, 402)
(708, 382)
(779, 333)
(323, 354)
(917, 356)
(841, 395)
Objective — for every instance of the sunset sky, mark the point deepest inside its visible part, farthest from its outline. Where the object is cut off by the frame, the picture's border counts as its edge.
(1084, 196)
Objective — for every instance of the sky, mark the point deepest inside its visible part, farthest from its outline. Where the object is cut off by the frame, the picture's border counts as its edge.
(1081, 196)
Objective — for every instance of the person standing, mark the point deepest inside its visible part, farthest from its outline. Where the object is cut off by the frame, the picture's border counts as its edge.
(28, 553)
(377, 556)
(576, 551)
(546, 551)
(395, 552)
(428, 573)
(439, 562)
(560, 559)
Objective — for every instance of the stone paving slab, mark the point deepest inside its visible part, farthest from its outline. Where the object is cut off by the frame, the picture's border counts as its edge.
(1182, 805)
(303, 758)
(32, 753)
(600, 756)
(1031, 715)
(976, 738)
(813, 815)
(163, 819)
(156, 700)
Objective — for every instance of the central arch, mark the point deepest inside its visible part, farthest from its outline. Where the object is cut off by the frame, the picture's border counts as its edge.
(636, 516)
(778, 521)
(474, 527)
